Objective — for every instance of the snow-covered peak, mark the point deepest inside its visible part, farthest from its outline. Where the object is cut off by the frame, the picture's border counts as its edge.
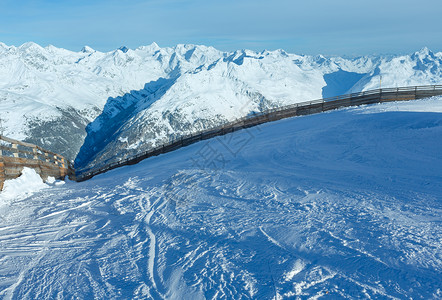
(183, 48)
(31, 46)
(423, 53)
(87, 49)
(123, 49)
(152, 48)
(52, 48)
(3, 46)
(274, 53)
(419, 68)
(196, 55)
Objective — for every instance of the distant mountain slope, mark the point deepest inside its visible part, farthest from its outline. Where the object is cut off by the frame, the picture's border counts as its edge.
(138, 98)
(49, 95)
(344, 204)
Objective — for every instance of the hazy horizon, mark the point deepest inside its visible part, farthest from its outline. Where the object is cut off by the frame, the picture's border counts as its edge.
(256, 50)
(317, 27)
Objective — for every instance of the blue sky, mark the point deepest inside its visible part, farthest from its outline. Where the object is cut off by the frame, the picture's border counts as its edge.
(349, 27)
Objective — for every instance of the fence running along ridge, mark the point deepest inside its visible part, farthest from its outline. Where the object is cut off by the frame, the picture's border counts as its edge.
(15, 155)
(298, 109)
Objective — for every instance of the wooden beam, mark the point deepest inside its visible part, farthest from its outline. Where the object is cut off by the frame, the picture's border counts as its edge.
(2, 174)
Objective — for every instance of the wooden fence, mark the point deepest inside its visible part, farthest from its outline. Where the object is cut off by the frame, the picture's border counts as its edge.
(15, 155)
(298, 109)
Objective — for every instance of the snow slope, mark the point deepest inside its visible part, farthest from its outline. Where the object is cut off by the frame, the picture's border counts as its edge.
(343, 204)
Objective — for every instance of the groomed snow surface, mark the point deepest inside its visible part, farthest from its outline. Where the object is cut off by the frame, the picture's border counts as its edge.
(344, 204)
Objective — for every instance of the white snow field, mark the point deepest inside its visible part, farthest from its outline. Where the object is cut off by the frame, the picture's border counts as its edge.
(343, 204)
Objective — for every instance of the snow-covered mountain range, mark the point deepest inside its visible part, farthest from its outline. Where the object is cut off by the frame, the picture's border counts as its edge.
(137, 99)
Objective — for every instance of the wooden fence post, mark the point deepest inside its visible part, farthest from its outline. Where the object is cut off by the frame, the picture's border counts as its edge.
(14, 146)
(2, 173)
(35, 153)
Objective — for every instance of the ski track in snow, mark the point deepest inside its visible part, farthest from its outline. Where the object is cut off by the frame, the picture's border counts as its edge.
(328, 212)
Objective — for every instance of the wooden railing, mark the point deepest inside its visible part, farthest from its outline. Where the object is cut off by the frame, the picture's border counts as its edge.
(15, 155)
(298, 109)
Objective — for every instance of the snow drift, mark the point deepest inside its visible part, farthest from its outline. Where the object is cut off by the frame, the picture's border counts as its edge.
(22, 187)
